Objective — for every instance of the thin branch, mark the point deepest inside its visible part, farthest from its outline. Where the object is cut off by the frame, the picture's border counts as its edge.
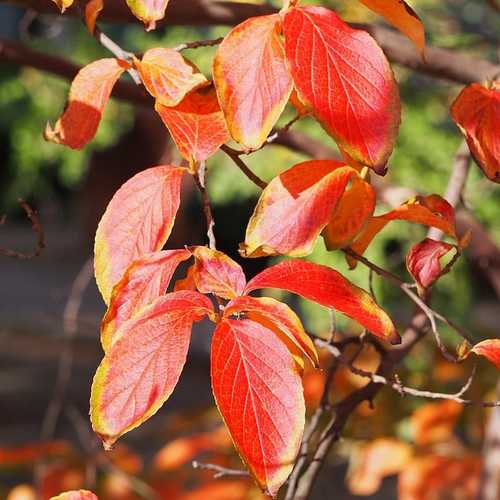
(199, 179)
(282, 130)
(234, 154)
(199, 43)
(219, 470)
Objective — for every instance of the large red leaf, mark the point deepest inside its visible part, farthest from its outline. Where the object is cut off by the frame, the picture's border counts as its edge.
(148, 11)
(295, 207)
(145, 280)
(490, 349)
(343, 75)
(477, 112)
(252, 79)
(329, 288)
(197, 124)
(143, 363)
(259, 393)
(89, 93)
(138, 220)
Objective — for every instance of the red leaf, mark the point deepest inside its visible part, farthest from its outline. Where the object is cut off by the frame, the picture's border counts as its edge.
(143, 363)
(477, 112)
(89, 93)
(343, 75)
(490, 349)
(329, 288)
(146, 279)
(252, 79)
(259, 394)
(92, 10)
(197, 124)
(294, 208)
(148, 11)
(138, 220)
(76, 495)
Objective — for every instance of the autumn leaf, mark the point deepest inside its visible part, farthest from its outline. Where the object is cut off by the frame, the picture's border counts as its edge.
(145, 280)
(476, 111)
(143, 363)
(148, 11)
(92, 10)
(259, 393)
(186, 283)
(196, 125)
(167, 76)
(329, 288)
(63, 4)
(76, 495)
(138, 220)
(252, 79)
(344, 76)
(89, 93)
(294, 208)
(490, 349)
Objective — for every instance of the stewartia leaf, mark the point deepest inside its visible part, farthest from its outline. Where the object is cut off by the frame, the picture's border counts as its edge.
(143, 363)
(294, 208)
(167, 75)
(477, 112)
(197, 124)
(89, 93)
(148, 11)
(329, 288)
(344, 76)
(275, 316)
(145, 280)
(138, 220)
(490, 349)
(258, 391)
(215, 272)
(76, 495)
(423, 263)
(252, 79)
(92, 10)
(63, 4)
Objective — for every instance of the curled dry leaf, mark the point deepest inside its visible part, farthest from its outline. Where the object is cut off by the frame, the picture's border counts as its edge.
(148, 11)
(89, 93)
(490, 349)
(76, 495)
(92, 10)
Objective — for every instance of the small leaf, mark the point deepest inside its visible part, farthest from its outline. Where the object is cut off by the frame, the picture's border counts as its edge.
(143, 363)
(490, 349)
(344, 76)
(76, 495)
(148, 11)
(89, 93)
(145, 280)
(252, 79)
(167, 76)
(294, 208)
(92, 10)
(329, 288)
(63, 4)
(138, 220)
(186, 283)
(259, 393)
(197, 124)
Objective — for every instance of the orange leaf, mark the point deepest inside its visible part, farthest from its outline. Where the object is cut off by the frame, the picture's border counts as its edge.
(88, 95)
(148, 11)
(145, 280)
(252, 79)
(221, 490)
(92, 10)
(477, 113)
(76, 495)
(197, 124)
(138, 220)
(329, 288)
(143, 364)
(490, 349)
(259, 393)
(63, 4)
(294, 208)
(186, 283)
(167, 75)
(30, 453)
(22, 492)
(344, 76)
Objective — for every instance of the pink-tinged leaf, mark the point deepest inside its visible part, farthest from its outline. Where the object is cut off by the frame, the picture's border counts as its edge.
(89, 93)
(252, 79)
(167, 76)
(258, 391)
(329, 288)
(276, 316)
(143, 363)
(197, 124)
(490, 349)
(76, 495)
(294, 208)
(344, 76)
(214, 272)
(137, 221)
(92, 10)
(148, 11)
(423, 262)
(146, 279)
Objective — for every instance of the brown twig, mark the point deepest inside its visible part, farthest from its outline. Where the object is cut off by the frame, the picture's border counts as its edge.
(199, 179)
(219, 470)
(198, 43)
(234, 154)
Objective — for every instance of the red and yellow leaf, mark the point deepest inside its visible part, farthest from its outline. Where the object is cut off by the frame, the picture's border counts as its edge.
(167, 76)
(146, 279)
(329, 288)
(143, 363)
(197, 124)
(148, 11)
(89, 93)
(344, 76)
(138, 220)
(76, 495)
(63, 4)
(490, 349)
(477, 113)
(294, 208)
(92, 10)
(258, 391)
(252, 79)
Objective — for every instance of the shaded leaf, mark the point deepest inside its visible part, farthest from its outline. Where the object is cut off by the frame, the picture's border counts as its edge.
(76, 495)
(148, 11)
(92, 10)
(186, 283)
(490, 349)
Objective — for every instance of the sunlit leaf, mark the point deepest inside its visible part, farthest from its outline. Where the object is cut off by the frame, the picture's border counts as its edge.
(76, 495)
(490, 349)
(63, 4)
(148, 11)
(92, 10)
